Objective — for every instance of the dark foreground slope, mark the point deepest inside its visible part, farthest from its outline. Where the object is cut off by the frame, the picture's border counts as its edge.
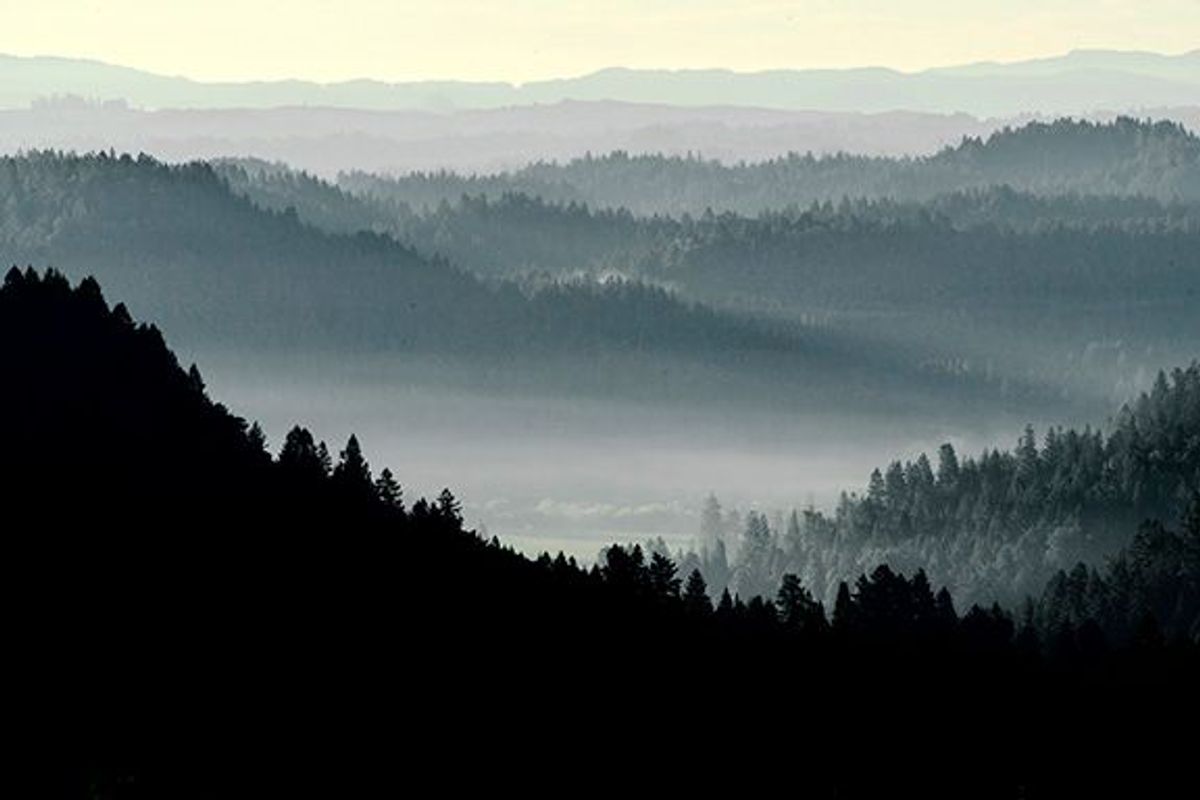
(190, 616)
(246, 617)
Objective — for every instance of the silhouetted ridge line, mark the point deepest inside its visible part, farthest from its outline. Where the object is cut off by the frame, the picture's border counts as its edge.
(183, 586)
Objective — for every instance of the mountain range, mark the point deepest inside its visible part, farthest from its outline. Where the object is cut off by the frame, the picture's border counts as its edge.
(1079, 81)
(326, 141)
(227, 274)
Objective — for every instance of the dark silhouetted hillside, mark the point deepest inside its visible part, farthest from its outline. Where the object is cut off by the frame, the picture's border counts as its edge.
(196, 617)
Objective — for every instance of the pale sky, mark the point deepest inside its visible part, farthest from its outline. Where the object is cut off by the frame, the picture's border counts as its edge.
(518, 40)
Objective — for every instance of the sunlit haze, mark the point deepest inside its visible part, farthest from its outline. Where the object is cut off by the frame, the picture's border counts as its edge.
(522, 40)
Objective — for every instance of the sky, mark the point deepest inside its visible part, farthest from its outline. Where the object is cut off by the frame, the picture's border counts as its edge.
(521, 40)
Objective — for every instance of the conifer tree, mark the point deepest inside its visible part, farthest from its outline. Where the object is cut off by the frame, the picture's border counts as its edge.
(256, 438)
(352, 470)
(324, 461)
(664, 582)
(448, 507)
(388, 490)
(695, 595)
(843, 609)
(724, 610)
(798, 611)
(300, 456)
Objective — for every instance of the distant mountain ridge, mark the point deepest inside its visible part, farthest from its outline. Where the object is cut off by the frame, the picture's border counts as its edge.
(1076, 82)
(226, 276)
(1126, 156)
(327, 141)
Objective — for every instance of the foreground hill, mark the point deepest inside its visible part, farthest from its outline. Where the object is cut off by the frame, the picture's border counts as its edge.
(194, 586)
(194, 589)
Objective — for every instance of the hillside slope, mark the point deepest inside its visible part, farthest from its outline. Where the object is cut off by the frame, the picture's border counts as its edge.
(1061, 253)
(224, 274)
(194, 589)
(1123, 156)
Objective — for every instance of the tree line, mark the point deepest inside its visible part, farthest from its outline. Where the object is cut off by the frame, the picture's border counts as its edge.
(965, 279)
(224, 274)
(1125, 156)
(994, 527)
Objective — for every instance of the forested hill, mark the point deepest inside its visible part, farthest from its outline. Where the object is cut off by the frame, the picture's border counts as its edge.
(995, 526)
(221, 272)
(1127, 156)
(173, 576)
(1087, 292)
(973, 248)
(174, 240)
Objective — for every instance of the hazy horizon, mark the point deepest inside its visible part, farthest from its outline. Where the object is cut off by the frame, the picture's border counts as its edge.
(526, 40)
(516, 80)
(1079, 82)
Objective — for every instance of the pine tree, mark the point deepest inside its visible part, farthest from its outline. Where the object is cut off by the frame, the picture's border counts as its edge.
(793, 538)
(876, 488)
(798, 611)
(664, 582)
(754, 557)
(352, 469)
(256, 438)
(946, 618)
(724, 610)
(448, 507)
(948, 468)
(695, 595)
(388, 490)
(300, 456)
(843, 609)
(923, 605)
(712, 523)
(195, 380)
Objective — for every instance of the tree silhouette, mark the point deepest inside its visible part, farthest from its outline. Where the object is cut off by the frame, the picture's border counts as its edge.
(844, 617)
(695, 595)
(448, 507)
(258, 439)
(300, 456)
(798, 611)
(225, 612)
(388, 490)
(352, 472)
(664, 582)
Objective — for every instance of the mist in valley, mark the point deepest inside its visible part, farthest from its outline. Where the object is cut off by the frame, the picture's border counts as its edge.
(573, 473)
(581, 374)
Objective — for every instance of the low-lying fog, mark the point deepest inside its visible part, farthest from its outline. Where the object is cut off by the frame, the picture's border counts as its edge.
(551, 474)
